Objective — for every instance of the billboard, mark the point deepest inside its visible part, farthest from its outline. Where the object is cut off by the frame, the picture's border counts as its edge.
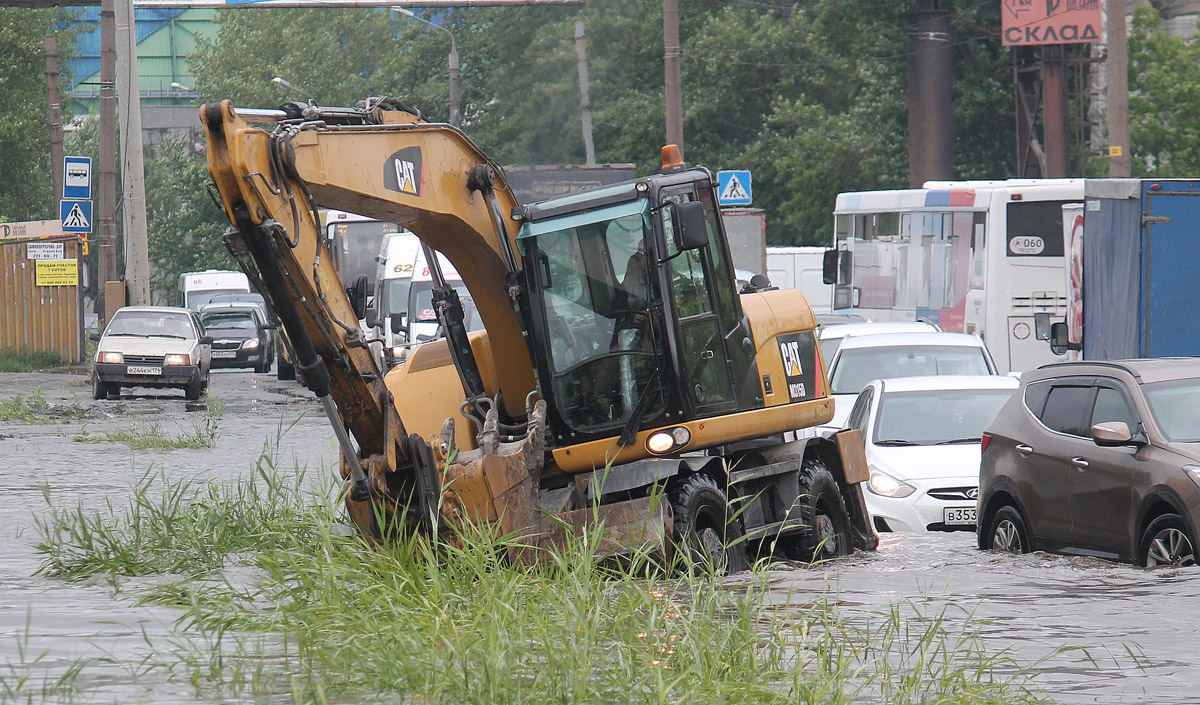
(1036, 22)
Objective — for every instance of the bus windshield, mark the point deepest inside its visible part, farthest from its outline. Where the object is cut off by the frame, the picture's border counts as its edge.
(354, 247)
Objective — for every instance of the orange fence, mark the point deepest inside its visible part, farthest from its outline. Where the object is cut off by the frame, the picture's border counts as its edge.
(41, 309)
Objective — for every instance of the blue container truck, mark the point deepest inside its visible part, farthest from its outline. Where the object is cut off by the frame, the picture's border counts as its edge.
(1135, 268)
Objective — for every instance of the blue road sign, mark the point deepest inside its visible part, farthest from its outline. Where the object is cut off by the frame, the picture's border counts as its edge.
(733, 187)
(76, 216)
(77, 178)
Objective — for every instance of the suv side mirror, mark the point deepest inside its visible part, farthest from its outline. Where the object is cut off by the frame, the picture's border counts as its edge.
(829, 267)
(206, 340)
(1111, 434)
(357, 293)
(689, 225)
(94, 335)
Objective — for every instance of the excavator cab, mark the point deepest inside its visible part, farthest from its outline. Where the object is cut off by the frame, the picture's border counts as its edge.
(631, 298)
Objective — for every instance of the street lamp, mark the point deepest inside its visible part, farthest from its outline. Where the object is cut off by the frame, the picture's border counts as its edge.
(455, 73)
(287, 84)
(180, 87)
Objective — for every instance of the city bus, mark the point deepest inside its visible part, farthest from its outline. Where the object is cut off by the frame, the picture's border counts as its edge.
(976, 257)
(354, 242)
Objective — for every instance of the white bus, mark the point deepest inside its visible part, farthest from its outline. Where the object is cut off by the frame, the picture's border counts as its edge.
(969, 256)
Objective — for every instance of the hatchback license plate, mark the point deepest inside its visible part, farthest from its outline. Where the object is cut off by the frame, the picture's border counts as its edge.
(224, 353)
(143, 370)
(958, 515)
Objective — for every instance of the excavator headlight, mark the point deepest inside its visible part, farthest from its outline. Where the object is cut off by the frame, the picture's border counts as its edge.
(668, 440)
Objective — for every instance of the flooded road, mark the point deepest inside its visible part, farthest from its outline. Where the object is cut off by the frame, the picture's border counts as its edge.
(49, 627)
(1129, 633)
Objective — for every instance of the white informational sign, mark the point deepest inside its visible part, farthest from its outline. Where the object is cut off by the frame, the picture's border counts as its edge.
(44, 250)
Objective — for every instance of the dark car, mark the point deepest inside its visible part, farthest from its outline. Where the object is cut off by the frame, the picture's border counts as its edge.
(241, 335)
(1098, 459)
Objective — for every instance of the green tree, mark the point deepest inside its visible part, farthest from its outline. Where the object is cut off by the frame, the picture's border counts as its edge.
(1164, 99)
(184, 223)
(26, 183)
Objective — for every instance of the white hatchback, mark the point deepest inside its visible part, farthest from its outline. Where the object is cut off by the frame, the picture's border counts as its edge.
(922, 437)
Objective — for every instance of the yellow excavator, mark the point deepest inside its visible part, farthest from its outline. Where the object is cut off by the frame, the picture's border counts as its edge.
(620, 377)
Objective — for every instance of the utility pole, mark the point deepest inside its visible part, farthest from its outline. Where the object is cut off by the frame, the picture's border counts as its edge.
(133, 202)
(106, 219)
(1117, 69)
(54, 118)
(1054, 109)
(930, 100)
(585, 98)
(673, 82)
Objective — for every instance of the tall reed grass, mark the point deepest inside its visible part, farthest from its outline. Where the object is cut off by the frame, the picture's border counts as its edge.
(278, 603)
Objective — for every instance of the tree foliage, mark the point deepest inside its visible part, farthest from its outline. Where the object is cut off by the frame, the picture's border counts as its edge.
(1164, 100)
(810, 95)
(26, 182)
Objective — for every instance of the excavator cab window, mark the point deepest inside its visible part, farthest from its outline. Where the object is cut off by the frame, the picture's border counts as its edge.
(594, 282)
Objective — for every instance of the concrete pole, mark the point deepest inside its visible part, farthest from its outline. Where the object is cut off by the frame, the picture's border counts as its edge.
(672, 80)
(455, 84)
(54, 118)
(585, 98)
(106, 191)
(1117, 71)
(930, 100)
(133, 211)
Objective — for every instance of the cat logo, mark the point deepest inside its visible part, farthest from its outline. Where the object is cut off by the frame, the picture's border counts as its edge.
(791, 358)
(402, 172)
(797, 352)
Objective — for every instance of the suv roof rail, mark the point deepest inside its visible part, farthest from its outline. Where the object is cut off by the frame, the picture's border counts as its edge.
(1096, 363)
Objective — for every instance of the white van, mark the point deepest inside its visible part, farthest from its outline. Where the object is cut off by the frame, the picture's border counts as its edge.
(198, 288)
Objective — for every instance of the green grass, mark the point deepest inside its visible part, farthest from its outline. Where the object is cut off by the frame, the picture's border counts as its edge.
(202, 433)
(35, 409)
(28, 361)
(276, 601)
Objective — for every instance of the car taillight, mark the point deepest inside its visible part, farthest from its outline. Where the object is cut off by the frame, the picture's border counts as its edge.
(984, 441)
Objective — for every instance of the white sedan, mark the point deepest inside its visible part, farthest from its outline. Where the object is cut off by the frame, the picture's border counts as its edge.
(922, 439)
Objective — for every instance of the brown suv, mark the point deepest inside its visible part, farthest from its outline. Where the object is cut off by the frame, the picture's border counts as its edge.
(1099, 459)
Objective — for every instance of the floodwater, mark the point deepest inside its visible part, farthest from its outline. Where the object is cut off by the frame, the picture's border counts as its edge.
(1129, 633)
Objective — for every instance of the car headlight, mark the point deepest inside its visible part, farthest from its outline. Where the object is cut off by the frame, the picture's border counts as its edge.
(885, 485)
(177, 360)
(250, 344)
(112, 358)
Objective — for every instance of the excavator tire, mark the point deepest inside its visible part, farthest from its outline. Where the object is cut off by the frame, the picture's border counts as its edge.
(704, 527)
(823, 511)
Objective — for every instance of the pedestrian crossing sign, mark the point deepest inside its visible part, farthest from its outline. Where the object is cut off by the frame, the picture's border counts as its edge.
(733, 187)
(76, 216)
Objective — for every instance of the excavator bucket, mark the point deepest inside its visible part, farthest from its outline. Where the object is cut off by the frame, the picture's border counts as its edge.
(499, 482)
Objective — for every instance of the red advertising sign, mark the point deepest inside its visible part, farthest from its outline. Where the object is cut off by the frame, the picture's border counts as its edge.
(1034, 22)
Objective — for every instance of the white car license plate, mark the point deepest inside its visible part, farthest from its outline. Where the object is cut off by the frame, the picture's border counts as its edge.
(224, 353)
(958, 515)
(143, 370)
